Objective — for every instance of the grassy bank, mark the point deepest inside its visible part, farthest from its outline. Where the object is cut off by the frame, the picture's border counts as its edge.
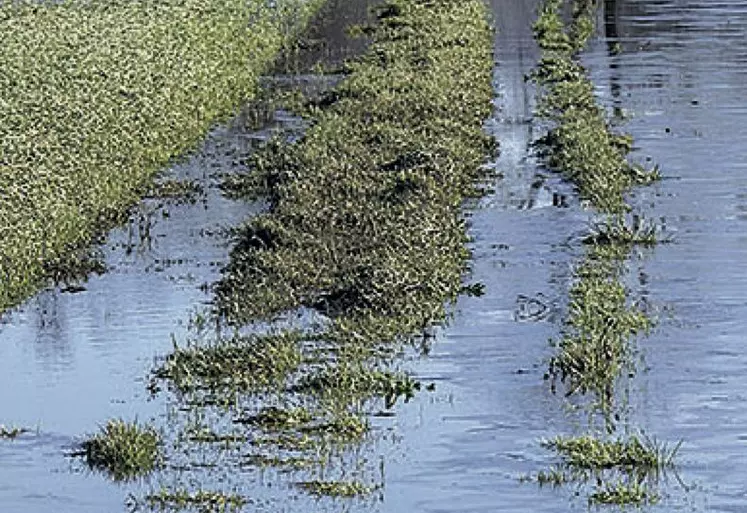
(96, 97)
(365, 229)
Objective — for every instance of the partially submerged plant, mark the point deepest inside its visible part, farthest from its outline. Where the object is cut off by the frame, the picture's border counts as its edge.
(336, 488)
(624, 493)
(365, 229)
(235, 365)
(635, 454)
(11, 432)
(580, 143)
(201, 500)
(123, 450)
(617, 231)
(625, 470)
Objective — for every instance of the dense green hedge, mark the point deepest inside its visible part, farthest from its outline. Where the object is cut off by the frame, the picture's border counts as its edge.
(95, 97)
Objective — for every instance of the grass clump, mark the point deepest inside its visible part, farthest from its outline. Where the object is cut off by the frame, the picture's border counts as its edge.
(633, 453)
(202, 501)
(580, 143)
(336, 488)
(624, 471)
(357, 383)
(624, 494)
(181, 191)
(123, 450)
(98, 96)
(239, 364)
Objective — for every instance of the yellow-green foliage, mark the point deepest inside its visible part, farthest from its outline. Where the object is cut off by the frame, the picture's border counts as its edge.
(95, 97)
(365, 217)
(123, 450)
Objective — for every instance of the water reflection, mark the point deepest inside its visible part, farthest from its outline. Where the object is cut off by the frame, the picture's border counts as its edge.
(681, 76)
(52, 348)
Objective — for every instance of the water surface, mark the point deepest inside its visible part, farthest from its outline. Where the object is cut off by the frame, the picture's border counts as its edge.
(676, 73)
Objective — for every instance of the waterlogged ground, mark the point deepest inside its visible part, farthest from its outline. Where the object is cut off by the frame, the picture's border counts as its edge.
(72, 360)
(676, 70)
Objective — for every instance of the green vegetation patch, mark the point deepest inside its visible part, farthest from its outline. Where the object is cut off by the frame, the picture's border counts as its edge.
(365, 217)
(180, 191)
(229, 366)
(580, 143)
(596, 348)
(364, 229)
(123, 450)
(96, 97)
(201, 501)
(624, 471)
(336, 488)
(589, 452)
(624, 493)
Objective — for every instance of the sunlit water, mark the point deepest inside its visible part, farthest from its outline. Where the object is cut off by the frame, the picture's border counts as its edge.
(677, 70)
(680, 76)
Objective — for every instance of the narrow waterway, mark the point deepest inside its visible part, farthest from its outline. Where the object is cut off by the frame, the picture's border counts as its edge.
(676, 71)
(681, 78)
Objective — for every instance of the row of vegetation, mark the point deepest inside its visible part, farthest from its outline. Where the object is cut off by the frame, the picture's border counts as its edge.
(595, 350)
(362, 248)
(95, 97)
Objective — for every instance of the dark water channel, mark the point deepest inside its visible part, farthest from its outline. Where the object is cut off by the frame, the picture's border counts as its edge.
(677, 71)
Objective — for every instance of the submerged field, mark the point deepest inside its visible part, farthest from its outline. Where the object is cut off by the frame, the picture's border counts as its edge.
(96, 97)
(364, 232)
(399, 326)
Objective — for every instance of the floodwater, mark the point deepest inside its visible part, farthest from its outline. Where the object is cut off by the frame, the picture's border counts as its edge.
(71, 361)
(676, 71)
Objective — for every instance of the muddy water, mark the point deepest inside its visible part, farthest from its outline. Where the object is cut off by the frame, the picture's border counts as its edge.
(677, 70)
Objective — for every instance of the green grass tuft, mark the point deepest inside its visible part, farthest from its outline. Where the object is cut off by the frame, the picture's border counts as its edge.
(123, 450)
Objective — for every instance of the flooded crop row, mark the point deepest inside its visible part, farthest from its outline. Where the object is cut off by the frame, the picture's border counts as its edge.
(360, 251)
(593, 351)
